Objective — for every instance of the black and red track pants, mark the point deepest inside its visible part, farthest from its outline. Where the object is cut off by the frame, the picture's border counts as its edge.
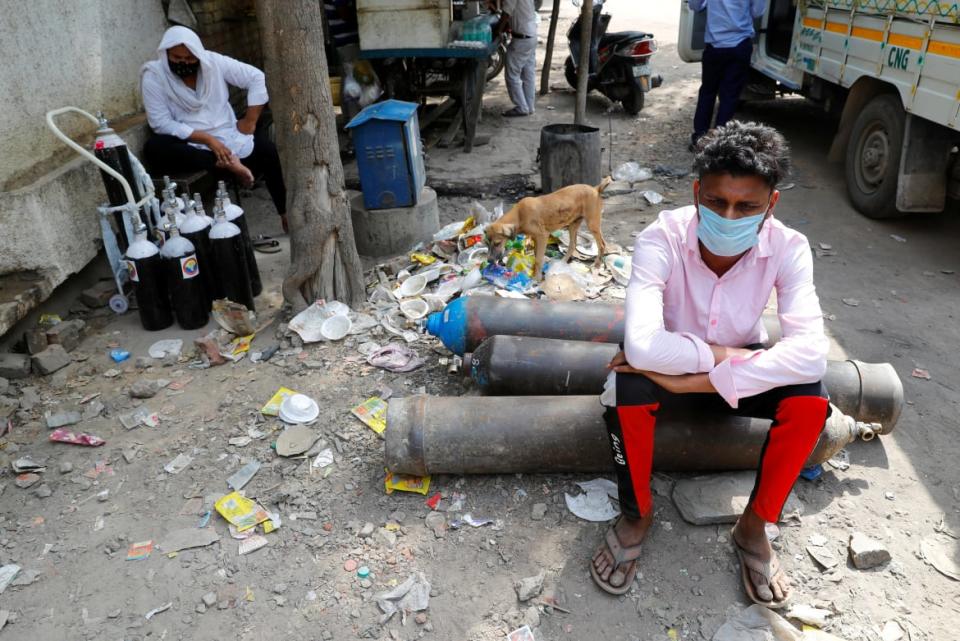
(798, 412)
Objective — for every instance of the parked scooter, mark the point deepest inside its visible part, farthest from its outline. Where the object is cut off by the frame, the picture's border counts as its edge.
(620, 63)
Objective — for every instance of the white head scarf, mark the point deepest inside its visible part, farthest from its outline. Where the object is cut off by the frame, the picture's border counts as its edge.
(209, 78)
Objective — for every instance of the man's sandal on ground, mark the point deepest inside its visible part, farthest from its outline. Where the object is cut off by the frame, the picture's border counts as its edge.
(266, 245)
(769, 570)
(621, 555)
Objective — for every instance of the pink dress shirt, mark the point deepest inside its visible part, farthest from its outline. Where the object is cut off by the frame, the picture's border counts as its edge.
(676, 306)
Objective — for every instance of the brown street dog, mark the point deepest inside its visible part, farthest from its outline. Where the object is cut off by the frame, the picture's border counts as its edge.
(538, 217)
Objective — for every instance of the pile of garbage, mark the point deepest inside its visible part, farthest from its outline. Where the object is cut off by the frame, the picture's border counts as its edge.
(457, 262)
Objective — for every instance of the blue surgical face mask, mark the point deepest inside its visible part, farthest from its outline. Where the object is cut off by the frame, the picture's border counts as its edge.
(726, 237)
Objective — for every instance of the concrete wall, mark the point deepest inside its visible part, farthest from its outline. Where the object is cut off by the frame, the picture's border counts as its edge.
(88, 54)
(85, 53)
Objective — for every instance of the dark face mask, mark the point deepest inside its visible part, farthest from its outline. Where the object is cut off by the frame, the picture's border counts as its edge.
(184, 69)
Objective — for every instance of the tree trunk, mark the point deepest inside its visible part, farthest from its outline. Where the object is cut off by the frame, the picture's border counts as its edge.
(323, 257)
(583, 65)
(548, 60)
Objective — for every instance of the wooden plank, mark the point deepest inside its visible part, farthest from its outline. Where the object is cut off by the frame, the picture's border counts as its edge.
(447, 138)
(436, 112)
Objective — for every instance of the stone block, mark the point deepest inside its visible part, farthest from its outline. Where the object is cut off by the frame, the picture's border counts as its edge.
(51, 359)
(66, 333)
(98, 295)
(867, 553)
(14, 365)
(36, 340)
(719, 498)
(386, 232)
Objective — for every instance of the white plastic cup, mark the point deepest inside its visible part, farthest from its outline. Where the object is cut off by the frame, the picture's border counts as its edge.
(413, 286)
(336, 327)
(415, 308)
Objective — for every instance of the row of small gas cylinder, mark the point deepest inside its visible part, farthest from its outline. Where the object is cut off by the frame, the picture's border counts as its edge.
(191, 261)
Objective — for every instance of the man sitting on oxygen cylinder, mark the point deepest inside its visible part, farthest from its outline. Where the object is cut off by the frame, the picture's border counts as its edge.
(701, 278)
(188, 107)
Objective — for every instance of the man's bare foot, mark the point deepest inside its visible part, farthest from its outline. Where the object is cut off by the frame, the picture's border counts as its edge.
(240, 170)
(750, 534)
(630, 533)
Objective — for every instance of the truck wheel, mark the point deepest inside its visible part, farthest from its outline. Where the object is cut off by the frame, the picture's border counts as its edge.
(873, 157)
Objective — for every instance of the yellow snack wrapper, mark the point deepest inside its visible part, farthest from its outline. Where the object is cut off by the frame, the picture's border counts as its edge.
(373, 413)
(423, 259)
(272, 408)
(404, 483)
(241, 512)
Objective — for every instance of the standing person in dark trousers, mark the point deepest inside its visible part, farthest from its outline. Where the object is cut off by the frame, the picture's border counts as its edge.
(726, 58)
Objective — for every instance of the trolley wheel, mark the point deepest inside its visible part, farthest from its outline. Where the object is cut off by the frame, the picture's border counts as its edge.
(119, 304)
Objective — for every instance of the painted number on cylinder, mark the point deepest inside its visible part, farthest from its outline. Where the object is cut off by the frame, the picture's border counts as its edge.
(898, 58)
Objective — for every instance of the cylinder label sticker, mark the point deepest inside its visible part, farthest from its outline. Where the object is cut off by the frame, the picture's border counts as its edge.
(189, 266)
(132, 271)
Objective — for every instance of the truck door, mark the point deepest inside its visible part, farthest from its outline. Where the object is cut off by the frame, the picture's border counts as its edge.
(693, 27)
(771, 56)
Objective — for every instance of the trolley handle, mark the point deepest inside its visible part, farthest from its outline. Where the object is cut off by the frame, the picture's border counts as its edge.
(89, 156)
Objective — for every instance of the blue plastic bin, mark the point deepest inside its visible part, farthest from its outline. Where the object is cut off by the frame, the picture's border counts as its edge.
(386, 136)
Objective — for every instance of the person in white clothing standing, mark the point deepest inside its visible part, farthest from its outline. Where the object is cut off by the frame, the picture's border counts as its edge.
(520, 16)
(194, 127)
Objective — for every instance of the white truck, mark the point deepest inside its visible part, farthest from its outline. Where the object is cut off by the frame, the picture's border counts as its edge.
(890, 68)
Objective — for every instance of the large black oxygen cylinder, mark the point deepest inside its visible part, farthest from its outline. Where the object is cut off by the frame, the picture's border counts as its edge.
(196, 229)
(236, 216)
(188, 296)
(145, 268)
(109, 148)
(230, 259)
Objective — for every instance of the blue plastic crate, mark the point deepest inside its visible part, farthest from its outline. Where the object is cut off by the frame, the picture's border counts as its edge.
(386, 137)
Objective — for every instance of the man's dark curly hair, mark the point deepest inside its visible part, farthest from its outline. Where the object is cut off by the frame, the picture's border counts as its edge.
(743, 149)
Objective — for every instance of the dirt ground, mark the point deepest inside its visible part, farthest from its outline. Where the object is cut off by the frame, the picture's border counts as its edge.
(72, 546)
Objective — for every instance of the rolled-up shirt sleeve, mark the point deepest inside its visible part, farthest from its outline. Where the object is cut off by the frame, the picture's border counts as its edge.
(240, 74)
(697, 5)
(647, 344)
(801, 354)
(158, 110)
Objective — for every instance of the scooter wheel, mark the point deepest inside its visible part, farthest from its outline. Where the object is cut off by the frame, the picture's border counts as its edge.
(119, 304)
(633, 103)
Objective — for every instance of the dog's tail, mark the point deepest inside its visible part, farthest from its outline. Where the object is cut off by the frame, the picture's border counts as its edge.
(603, 184)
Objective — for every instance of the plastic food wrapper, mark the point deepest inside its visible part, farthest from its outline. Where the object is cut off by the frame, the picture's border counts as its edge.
(632, 172)
(520, 262)
(76, 438)
(595, 504)
(373, 413)
(272, 408)
(178, 464)
(450, 232)
(757, 623)
(242, 512)
(395, 358)
(252, 544)
(473, 521)
(506, 279)
(522, 634)
(166, 347)
(423, 259)
(234, 317)
(413, 595)
(139, 551)
(307, 323)
(236, 348)
(405, 483)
